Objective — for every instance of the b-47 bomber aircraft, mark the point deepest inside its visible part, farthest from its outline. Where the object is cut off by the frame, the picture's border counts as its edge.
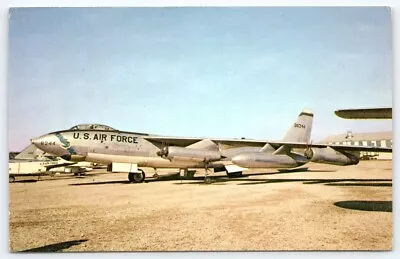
(127, 151)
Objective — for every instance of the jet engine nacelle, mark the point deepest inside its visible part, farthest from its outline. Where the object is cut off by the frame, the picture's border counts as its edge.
(330, 156)
(266, 160)
(182, 153)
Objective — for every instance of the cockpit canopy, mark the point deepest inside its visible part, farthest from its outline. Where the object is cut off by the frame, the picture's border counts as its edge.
(91, 127)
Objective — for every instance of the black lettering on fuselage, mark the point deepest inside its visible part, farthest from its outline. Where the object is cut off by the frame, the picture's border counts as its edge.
(131, 140)
(103, 137)
(118, 138)
(95, 137)
(86, 136)
(76, 135)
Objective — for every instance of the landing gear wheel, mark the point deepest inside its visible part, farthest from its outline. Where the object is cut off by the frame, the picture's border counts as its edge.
(11, 179)
(235, 174)
(136, 177)
(207, 180)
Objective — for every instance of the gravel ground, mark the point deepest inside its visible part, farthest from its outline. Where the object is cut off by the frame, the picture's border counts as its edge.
(326, 208)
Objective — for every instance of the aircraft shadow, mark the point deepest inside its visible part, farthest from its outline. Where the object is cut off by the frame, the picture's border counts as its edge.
(216, 178)
(332, 182)
(26, 181)
(225, 178)
(168, 178)
(34, 179)
(361, 184)
(384, 206)
(57, 247)
(213, 178)
(100, 183)
(289, 172)
(245, 180)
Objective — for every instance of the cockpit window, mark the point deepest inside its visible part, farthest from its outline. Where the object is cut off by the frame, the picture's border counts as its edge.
(91, 126)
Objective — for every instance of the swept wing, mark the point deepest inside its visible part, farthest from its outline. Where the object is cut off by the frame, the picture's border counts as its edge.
(276, 144)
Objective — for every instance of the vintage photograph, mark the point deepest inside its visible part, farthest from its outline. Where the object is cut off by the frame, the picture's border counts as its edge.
(200, 129)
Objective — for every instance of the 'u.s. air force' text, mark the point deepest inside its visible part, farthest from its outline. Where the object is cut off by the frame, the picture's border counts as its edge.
(105, 137)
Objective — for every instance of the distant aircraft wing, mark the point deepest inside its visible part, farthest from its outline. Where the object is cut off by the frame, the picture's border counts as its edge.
(372, 113)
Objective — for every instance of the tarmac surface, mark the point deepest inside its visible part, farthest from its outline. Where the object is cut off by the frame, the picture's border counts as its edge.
(326, 208)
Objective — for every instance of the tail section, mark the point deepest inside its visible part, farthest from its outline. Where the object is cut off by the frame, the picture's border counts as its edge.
(30, 152)
(300, 131)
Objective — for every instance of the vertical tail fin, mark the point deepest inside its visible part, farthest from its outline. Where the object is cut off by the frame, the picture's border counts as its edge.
(30, 152)
(300, 131)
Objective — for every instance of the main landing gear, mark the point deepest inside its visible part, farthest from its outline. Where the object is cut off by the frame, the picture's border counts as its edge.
(206, 178)
(155, 175)
(137, 177)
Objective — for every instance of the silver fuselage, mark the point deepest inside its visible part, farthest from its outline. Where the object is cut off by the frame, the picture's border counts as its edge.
(108, 147)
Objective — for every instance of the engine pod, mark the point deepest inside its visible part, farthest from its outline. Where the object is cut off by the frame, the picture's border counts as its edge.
(330, 156)
(265, 160)
(182, 153)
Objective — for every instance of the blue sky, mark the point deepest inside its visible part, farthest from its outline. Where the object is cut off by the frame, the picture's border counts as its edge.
(213, 72)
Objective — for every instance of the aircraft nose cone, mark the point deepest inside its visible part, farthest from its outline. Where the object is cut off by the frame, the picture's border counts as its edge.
(36, 141)
(47, 143)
